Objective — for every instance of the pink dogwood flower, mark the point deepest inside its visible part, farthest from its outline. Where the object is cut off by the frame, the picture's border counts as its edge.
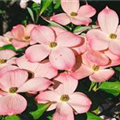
(21, 36)
(7, 57)
(14, 82)
(57, 47)
(65, 100)
(42, 69)
(94, 65)
(74, 14)
(108, 36)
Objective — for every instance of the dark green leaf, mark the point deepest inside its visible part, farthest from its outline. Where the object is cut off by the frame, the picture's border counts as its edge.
(8, 47)
(45, 5)
(111, 87)
(13, 117)
(31, 14)
(40, 110)
(91, 116)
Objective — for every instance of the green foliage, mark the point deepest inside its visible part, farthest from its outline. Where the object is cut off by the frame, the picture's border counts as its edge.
(45, 5)
(41, 108)
(91, 116)
(111, 87)
(13, 117)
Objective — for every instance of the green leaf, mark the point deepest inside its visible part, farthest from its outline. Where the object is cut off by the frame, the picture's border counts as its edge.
(53, 23)
(41, 108)
(45, 5)
(91, 116)
(49, 118)
(111, 87)
(117, 68)
(8, 47)
(31, 14)
(13, 117)
(57, 4)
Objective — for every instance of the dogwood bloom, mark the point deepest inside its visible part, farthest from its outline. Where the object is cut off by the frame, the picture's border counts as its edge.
(6, 57)
(14, 82)
(94, 65)
(65, 100)
(57, 47)
(42, 69)
(74, 14)
(21, 36)
(108, 36)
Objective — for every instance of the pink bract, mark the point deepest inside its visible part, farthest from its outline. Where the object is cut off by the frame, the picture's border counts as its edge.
(107, 37)
(21, 36)
(14, 82)
(58, 48)
(65, 100)
(74, 14)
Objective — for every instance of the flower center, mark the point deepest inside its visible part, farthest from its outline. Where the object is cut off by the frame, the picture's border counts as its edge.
(27, 38)
(73, 14)
(113, 36)
(64, 98)
(13, 90)
(2, 61)
(95, 68)
(53, 44)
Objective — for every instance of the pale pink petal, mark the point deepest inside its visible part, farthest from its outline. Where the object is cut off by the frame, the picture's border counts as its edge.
(6, 54)
(62, 58)
(12, 104)
(111, 55)
(35, 84)
(82, 72)
(61, 18)
(79, 102)
(28, 29)
(18, 32)
(43, 34)
(7, 68)
(114, 47)
(87, 11)
(97, 40)
(58, 30)
(13, 78)
(68, 39)
(81, 20)
(108, 20)
(63, 112)
(97, 57)
(46, 70)
(23, 3)
(3, 41)
(70, 6)
(19, 44)
(68, 84)
(102, 75)
(47, 96)
(23, 63)
(37, 53)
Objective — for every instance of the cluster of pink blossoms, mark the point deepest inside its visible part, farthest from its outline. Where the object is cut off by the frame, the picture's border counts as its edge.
(49, 50)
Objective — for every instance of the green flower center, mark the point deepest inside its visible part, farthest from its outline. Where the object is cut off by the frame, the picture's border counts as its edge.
(53, 44)
(73, 14)
(2, 61)
(113, 36)
(95, 68)
(64, 98)
(13, 89)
